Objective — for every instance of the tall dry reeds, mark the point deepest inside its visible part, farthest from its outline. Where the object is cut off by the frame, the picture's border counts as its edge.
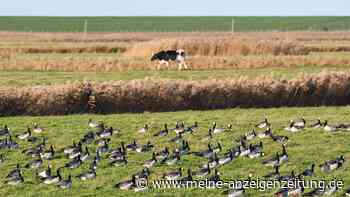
(223, 46)
(172, 95)
(197, 63)
(147, 36)
(44, 100)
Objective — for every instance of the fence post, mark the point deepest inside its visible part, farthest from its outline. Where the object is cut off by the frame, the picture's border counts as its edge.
(233, 25)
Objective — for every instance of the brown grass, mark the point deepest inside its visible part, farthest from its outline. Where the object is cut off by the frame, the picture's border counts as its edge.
(218, 47)
(196, 62)
(147, 36)
(170, 95)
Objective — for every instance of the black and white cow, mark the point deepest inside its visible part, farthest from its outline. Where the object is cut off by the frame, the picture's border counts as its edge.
(164, 57)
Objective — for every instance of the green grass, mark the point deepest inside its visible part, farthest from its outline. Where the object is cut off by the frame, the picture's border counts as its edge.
(304, 148)
(172, 24)
(18, 78)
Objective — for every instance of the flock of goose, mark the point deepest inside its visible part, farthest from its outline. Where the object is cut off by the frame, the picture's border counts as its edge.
(102, 135)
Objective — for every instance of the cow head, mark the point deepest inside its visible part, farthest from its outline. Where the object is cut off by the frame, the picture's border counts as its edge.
(180, 51)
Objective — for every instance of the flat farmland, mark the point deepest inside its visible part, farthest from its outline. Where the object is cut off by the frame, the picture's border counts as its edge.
(173, 24)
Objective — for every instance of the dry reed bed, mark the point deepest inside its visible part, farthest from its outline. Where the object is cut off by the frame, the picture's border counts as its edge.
(196, 62)
(147, 36)
(172, 95)
(218, 47)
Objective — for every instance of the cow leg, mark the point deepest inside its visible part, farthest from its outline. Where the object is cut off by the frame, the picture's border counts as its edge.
(185, 65)
(159, 64)
(167, 64)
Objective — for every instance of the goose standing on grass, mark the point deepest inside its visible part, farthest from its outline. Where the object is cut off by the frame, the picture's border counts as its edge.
(106, 132)
(120, 161)
(93, 124)
(226, 159)
(145, 148)
(184, 149)
(174, 175)
(300, 123)
(255, 152)
(163, 154)
(15, 180)
(36, 128)
(309, 171)
(11, 144)
(88, 138)
(132, 146)
(265, 134)
(103, 149)
(151, 162)
(144, 129)
(263, 124)
(5, 131)
(14, 173)
(279, 138)
(206, 153)
(36, 163)
(284, 156)
(203, 171)
(49, 154)
(179, 127)
(118, 153)
(331, 165)
(75, 153)
(70, 149)
(191, 128)
(250, 135)
(172, 159)
(328, 127)
(144, 174)
(102, 141)
(25, 135)
(75, 163)
(177, 139)
(53, 179)
(317, 124)
(45, 173)
(90, 174)
(162, 133)
(293, 127)
(66, 184)
(128, 184)
(220, 130)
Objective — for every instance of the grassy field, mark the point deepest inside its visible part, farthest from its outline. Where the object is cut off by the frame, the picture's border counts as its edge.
(172, 24)
(304, 148)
